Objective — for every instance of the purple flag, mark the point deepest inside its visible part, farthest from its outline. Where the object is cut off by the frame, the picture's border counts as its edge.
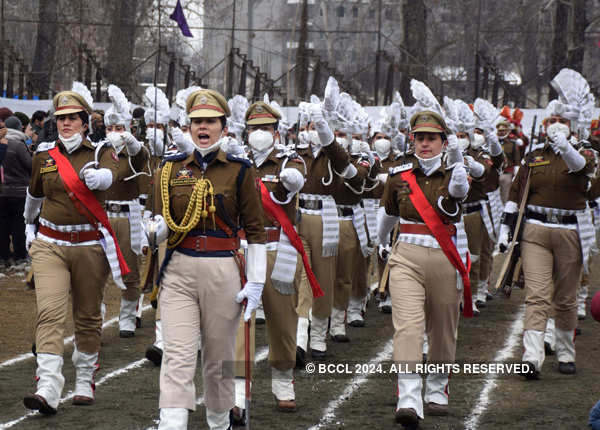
(179, 18)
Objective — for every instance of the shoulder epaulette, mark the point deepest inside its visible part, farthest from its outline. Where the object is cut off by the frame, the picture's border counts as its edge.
(401, 168)
(173, 158)
(231, 157)
(45, 146)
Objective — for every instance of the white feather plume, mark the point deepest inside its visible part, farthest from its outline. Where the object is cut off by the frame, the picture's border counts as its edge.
(451, 112)
(572, 88)
(485, 115)
(466, 118)
(83, 91)
(153, 94)
(238, 106)
(183, 94)
(424, 97)
(118, 99)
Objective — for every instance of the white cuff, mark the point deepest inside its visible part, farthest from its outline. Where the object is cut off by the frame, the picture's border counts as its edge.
(349, 172)
(133, 147)
(476, 169)
(32, 207)
(511, 207)
(385, 226)
(382, 177)
(256, 263)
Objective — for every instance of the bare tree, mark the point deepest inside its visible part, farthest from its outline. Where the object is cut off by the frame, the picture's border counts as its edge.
(121, 44)
(44, 58)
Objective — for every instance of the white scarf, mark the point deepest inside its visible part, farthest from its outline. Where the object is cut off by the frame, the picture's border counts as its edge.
(430, 165)
(331, 227)
(358, 220)
(71, 143)
(284, 269)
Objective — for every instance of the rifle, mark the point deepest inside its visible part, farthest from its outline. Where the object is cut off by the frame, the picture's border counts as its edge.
(504, 282)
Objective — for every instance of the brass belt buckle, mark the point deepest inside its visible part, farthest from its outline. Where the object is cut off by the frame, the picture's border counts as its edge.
(114, 207)
(553, 218)
(200, 243)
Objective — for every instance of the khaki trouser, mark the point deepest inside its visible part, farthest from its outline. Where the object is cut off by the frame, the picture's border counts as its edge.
(424, 299)
(311, 231)
(303, 298)
(281, 320)
(346, 261)
(132, 279)
(197, 297)
(59, 270)
(552, 265)
(505, 181)
(360, 275)
(478, 239)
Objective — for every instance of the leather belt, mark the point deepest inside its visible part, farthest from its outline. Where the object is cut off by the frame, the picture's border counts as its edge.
(209, 243)
(510, 169)
(423, 229)
(553, 219)
(273, 234)
(345, 211)
(117, 207)
(470, 209)
(71, 236)
(310, 204)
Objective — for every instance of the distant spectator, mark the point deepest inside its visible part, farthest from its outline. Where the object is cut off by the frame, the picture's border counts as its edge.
(98, 127)
(3, 143)
(49, 132)
(16, 172)
(138, 127)
(23, 118)
(5, 113)
(37, 120)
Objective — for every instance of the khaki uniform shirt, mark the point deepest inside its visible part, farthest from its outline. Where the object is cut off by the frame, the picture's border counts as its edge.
(128, 190)
(481, 186)
(237, 206)
(46, 182)
(397, 200)
(552, 185)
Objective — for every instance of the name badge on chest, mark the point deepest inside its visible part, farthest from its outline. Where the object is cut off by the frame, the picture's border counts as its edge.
(538, 160)
(49, 166)
(270, 178)
(401, 168)
(183, 177)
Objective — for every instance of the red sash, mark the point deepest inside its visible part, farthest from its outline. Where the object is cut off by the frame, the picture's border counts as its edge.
(279, 214)
(79, 192)
(440, 232)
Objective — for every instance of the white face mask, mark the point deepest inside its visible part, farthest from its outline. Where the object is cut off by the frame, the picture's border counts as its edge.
(478, 141)
(116, 140)
(463, 143)
(314, 138)
(343, 142)
(429, 165)
(260, 140)
(71, 143)
(382, 147)
(214, 147)
(558, 128)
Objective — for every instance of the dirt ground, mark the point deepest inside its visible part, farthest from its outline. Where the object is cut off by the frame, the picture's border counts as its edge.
(130, 400)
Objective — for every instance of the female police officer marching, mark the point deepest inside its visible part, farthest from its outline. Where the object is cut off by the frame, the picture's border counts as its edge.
(425, 196)
(70, 253)
(201, 201)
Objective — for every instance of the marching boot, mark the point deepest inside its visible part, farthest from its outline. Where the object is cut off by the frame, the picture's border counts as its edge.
(436, 394)
(475, 310)
(481, 297)
(533, 343)
(86, 366)
(282, 386)
(155, 351)
(173, 419)
(582, 295)
(127, 318)
(355, 307)
(337, 330)
(217, 420)
(238, 412)
(301, 342)
(549, 338)
(259, 319)
(409, 408)
(318, 330)
(50, 383)
(565, 351)
(385, 306)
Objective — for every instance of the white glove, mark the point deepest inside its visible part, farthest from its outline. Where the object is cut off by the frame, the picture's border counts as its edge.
(459, 185)
(503, 237)
(292, 180)
(158, 225)
(155, 140)
(559, 142)
(453, 151)
(399, 142)
(494, 143)
(184, 145)
(366, 149)
(251, 291)
(29, 235)
(133, 145)
(325, 134)
(519, 142)
(98, 179)
(234, 148)
(476, 169)
(384, 251)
